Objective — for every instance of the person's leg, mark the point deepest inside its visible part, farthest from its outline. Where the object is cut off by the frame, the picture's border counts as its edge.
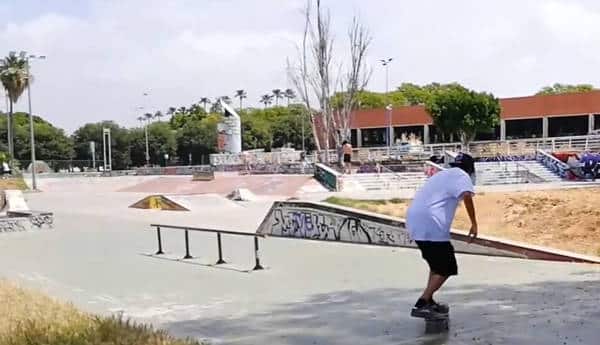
(434, 283)
(442, 264)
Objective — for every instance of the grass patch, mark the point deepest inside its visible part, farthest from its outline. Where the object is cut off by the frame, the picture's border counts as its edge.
(13, 183)
(30, 318)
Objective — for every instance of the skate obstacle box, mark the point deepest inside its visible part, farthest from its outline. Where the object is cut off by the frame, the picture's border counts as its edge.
(203, 174)
(15, 214)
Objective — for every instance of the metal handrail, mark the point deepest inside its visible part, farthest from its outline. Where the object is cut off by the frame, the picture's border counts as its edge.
(220, 261)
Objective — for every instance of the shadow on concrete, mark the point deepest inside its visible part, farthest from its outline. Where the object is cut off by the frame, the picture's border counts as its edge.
(554, 312)
(196, 263)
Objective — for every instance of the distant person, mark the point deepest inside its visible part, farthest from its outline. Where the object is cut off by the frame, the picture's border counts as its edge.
(347, 150)
(590, 165)
(428, 220)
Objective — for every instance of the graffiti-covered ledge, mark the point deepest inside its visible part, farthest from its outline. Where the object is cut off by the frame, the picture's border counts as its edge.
(326, 222)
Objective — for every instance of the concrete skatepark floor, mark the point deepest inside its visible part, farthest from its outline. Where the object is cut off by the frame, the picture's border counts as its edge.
(224, 184)
(310, 293)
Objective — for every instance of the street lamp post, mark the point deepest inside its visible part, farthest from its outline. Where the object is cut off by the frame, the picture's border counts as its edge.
(390, 133)
(146, 133)
(144, 123)
(31, 130)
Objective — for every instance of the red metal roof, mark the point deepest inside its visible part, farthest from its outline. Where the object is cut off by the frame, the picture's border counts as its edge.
(512, 108)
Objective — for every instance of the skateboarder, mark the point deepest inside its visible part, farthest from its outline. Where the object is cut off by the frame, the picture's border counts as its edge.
(347, 150)
(429, 219)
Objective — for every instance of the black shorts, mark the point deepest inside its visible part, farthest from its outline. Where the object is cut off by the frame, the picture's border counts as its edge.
(347, 158)
(440, 257)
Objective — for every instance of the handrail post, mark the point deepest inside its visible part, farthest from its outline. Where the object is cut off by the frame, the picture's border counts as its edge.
(256, 256)
(187, 246)
(221, 261)
(160, 251)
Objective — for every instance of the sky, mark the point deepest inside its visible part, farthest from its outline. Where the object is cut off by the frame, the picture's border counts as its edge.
(103, 55)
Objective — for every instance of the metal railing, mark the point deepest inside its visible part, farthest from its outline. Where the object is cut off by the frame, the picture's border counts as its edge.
(481, 148)
(186, 229)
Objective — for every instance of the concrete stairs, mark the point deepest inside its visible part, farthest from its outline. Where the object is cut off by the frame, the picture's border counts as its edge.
(488, 173)
(497, 173)
(383, 181)
(542, 171)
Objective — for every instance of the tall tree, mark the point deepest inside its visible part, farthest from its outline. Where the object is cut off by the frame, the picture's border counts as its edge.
(559, 88)
(205, 101)
(289, 94)
(216, 108)
(13, 75)
(354, 80)
(456, 109)
(148, 116)
(266, 99)
(141, 119)
(278, 95)
(51, 143)
(158, 115)
(241, 94)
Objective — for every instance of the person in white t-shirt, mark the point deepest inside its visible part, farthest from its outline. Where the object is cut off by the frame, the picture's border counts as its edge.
(429, 219)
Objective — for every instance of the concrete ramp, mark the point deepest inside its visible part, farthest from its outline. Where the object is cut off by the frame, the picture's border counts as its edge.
(325, 222)
(15, 201)
(242, 194)
(159, 202)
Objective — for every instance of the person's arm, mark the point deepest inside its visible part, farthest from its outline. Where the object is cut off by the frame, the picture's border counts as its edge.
(468, 200)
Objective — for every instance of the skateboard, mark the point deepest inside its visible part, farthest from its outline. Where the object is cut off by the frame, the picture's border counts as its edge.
(437, 324)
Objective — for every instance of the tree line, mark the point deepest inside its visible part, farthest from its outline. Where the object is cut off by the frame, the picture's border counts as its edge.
(189, 136)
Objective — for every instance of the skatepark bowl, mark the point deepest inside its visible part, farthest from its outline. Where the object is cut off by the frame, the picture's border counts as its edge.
(101, 256)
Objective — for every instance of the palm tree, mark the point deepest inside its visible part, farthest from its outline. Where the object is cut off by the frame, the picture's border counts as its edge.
(13, 75)
(241, 94)
(277, 93)
(205, 101)
(158, 115)
(266, 99)
(171, 111)
(141, 119)
(289, 94)
(226, 99)
(182, 110)
(194, 109)
(148, 116)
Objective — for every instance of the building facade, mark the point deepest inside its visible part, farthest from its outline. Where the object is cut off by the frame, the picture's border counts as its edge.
(521, 117)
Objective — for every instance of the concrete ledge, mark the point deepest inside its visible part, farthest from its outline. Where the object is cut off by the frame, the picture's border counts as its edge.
(325, 222)
(529, 251)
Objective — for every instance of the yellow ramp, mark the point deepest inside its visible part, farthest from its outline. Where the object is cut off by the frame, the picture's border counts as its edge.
(158, 202)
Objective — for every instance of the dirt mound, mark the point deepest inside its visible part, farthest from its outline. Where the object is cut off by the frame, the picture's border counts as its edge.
(564, 219)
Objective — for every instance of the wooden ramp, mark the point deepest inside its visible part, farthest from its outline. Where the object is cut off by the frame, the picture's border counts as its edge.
(159, 202)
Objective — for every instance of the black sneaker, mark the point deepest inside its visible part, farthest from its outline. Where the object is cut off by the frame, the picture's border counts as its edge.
(441, 308)
(428, 311)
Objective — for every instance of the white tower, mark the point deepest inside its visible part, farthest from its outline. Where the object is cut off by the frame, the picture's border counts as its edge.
(230, 130)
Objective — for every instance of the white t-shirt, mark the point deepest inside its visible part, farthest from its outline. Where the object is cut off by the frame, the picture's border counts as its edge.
(432, 210)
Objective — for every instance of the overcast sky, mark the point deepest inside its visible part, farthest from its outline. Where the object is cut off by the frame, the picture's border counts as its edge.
(104, 54)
